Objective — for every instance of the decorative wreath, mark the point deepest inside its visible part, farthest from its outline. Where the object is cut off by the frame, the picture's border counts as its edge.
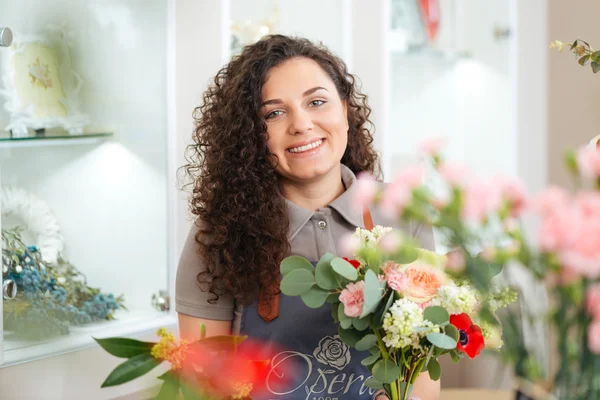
(37, 218)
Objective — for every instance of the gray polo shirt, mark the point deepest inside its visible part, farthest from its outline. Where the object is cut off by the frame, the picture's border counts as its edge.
(324, 367)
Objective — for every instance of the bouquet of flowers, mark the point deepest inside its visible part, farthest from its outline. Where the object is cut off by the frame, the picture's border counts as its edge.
(397, 303)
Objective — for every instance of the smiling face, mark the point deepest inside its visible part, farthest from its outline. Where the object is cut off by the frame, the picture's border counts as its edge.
(307, 121)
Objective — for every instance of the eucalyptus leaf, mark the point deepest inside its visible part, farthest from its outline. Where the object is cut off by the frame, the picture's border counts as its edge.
(385, 371)
(345, 321)
(124, 347)
(297, 282)
(406, 255)
(434, 369)
(595, 66)
(455, 356)
(293, 263)
(371, 359)
(334, 312)
(131, 369)
(452, 332)
(360, 323)
(373, 383)
(436, 314)
(441, 340)
(583, 60)
(344, 268)
(315, 297)
(372, 293)
(349, 336)
(366, 342)
(325, 276)
(333, 298)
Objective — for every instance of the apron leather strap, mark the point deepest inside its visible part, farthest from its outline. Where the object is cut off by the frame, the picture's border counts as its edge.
(268, 306)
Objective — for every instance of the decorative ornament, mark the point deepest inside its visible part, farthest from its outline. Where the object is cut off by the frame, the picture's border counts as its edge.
(37, 218)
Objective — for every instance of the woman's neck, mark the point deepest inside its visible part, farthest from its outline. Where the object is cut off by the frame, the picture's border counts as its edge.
(315, 194)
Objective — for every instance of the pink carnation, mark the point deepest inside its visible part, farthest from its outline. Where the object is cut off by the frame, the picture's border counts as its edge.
(588, 161)
(367, 188)
(514, 192)
(456, 261)
(398, 194)
(594, 337)
(455, 174)
(593, 301)
(396, 280)
(481, 198)
(432, 146)
(353, 298)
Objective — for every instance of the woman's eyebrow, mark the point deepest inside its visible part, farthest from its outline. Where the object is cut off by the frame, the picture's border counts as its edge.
(307, 93)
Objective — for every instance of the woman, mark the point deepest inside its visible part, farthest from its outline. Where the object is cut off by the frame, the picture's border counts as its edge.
(280, 137)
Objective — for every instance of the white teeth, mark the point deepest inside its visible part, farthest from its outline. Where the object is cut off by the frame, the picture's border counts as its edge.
(306, 147)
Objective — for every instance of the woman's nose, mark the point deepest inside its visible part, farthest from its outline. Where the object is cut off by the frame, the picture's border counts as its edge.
(301, 122)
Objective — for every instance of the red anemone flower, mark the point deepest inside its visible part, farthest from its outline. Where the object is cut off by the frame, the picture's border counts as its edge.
(470, 340)
(354, 263)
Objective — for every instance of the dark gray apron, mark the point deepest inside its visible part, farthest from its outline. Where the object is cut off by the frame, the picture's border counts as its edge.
(306, 340)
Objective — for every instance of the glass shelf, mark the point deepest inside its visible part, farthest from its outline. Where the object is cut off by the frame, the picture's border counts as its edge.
(54, 139)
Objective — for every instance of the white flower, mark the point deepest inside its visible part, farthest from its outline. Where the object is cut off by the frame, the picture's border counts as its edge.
(400, 323)
(19, 269)
(370, 238)
(5, 269)
(61, 280)
(27, 259)
(456, 299)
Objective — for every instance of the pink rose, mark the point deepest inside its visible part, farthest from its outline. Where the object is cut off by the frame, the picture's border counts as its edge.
(456, 174)
(592, 301)
(423, 281)
(550, 199)
(353, 298)
(367, 188)
(481, 198)
(398, 194)
(594, 337)
(588, 161)
(432, 146)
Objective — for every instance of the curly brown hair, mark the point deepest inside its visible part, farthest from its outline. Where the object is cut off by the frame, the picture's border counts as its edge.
(236, 194)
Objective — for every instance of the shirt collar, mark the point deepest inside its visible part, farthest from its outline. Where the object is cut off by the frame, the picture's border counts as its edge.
(299, 216)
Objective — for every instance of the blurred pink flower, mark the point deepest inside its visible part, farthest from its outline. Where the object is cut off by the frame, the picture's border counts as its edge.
(588, 161)
(349, 245)
(514, 192)
(432, 146)
(592, 301)
(353, 298)
(594, 337)
(481, 197)
(456, 174)
(366, 190)
(398, 194)
(550, 199)
(455, 261)
(390, 242)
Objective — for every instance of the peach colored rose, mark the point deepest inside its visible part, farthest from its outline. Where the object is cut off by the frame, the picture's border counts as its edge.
(353, 298)
(423, 281)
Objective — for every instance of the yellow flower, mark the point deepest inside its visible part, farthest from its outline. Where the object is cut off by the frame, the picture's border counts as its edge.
(168, 350)
(557, 43)
(242, 390)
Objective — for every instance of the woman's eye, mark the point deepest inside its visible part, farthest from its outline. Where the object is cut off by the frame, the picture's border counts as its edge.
(273, 114)
(317, 103)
